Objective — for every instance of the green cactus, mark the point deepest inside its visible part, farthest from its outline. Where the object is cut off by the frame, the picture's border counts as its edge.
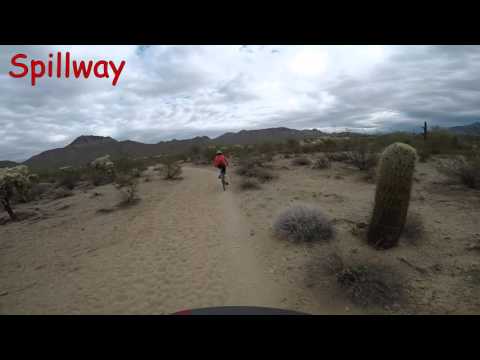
(392, 196)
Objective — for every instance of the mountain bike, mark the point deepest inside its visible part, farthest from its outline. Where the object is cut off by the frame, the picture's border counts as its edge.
(223, 181)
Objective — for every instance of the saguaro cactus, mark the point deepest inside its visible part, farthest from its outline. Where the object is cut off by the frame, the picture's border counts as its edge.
(392, 196)
(425, 130)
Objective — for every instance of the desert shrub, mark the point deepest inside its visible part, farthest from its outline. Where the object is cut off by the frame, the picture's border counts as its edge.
(322, 162)
(292, 146)
(127, 185)
(131, 166)
(266, 148)
(39, 189)
(465, 170)
(254, 167)
(370, 285)
(301, 161)
(303, 223)
(441, 141)
(263, 175)
(172, 169)
(100, 177)
(340, 156)
(329, 145)
(363, 159)
(68, 178)
(249, 184)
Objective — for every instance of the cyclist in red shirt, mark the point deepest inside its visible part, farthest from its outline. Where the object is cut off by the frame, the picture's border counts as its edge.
(221, 163)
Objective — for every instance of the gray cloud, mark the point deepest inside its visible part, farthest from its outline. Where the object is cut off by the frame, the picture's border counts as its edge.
(184, 91)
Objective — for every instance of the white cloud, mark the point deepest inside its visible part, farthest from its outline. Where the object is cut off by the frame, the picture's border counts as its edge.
(185, 91)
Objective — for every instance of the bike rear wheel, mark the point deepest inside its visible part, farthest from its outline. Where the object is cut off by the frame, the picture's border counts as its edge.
(223, 183)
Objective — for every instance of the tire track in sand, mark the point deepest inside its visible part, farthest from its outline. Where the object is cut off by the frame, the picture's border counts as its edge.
(190, 249)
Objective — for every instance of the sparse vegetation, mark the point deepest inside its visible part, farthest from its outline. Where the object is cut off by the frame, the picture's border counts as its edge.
(363, 159)
(369, 285)
(172, 168)
(251, 167)
(340, 156)
(13, 180)
(128, 187)
(392, 196)
(69, 177)
(303, 223)
(249, 184)
(322, 162)
(465, 170)
(301, 161)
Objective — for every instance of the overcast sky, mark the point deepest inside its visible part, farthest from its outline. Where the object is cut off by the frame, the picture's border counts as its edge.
(167, 92)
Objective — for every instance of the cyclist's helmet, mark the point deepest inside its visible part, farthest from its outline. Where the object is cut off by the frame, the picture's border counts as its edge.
(219, 152)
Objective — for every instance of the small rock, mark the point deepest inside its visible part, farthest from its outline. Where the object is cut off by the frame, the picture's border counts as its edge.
(3, 293)
(447, 237)
(252, 233)
(354, 251)
(347, 308)
(437, 267)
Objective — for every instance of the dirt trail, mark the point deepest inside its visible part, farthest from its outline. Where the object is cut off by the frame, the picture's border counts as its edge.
(187, 249)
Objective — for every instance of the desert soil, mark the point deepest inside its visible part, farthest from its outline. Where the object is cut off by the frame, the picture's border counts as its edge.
(187, 244)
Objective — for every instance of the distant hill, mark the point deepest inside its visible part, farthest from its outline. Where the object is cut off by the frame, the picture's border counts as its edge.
(472, 129)
(86, 148)
(246, 137)
(6, 163)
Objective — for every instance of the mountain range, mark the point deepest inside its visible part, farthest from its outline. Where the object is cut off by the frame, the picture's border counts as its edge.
(86, 148)
(472, 129)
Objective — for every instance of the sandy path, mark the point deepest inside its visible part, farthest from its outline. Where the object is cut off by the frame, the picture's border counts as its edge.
(191, 248)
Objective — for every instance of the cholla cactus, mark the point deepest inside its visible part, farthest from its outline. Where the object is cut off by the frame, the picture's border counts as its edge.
(103, 163)
(392, 197)
(16, 178)
(104, 170)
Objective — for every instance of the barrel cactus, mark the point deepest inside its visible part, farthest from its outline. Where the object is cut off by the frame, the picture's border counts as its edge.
(392, 196)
